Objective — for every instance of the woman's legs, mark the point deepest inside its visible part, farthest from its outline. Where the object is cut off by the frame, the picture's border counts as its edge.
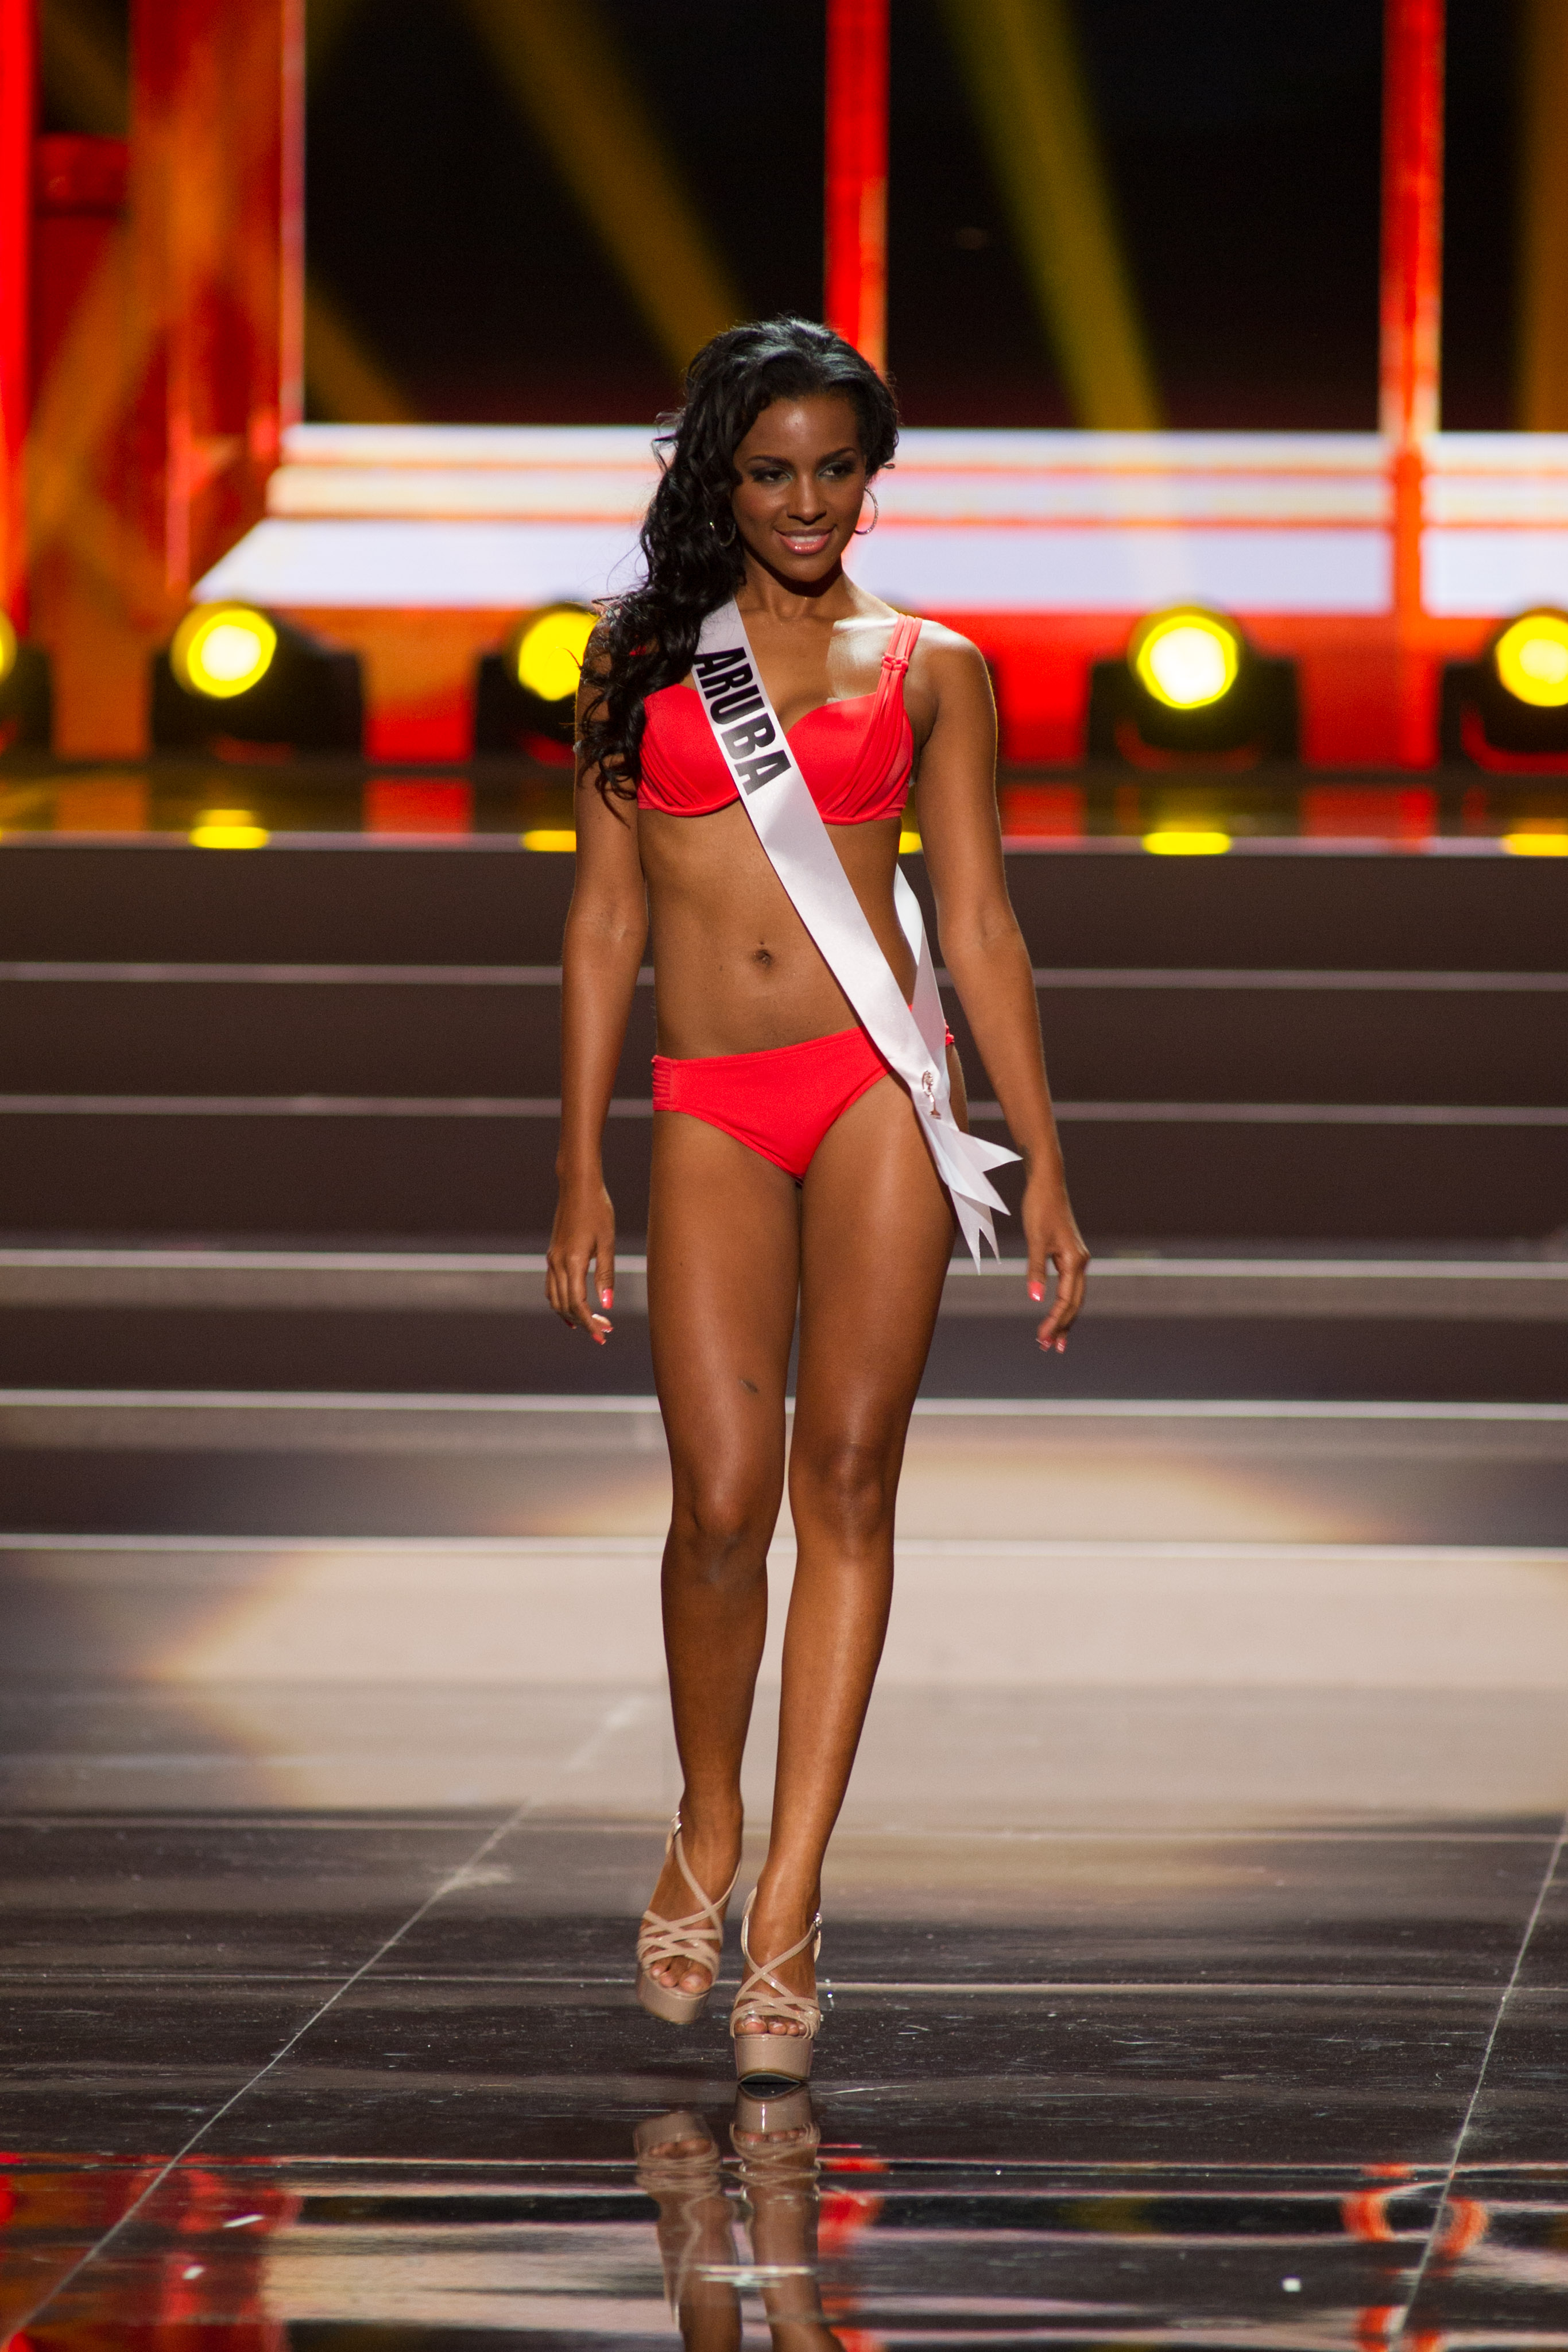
(722, 1275)
(696, 2230)
(875, 1237)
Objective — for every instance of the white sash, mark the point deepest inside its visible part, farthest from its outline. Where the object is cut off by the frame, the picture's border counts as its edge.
(776, 797)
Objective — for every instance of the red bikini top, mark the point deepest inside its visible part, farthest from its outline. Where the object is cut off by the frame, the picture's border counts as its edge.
(855, 754)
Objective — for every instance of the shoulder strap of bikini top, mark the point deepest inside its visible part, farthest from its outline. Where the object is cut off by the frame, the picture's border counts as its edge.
(901, 644)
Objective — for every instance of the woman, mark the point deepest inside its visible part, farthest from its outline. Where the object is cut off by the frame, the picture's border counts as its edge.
(791, 1168)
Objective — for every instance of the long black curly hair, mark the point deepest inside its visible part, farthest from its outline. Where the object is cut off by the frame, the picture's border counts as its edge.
(647, 640)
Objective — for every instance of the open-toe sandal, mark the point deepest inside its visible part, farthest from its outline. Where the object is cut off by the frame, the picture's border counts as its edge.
(765, 2116)
(661, 2170)
(694, 1941)
(762, 1996)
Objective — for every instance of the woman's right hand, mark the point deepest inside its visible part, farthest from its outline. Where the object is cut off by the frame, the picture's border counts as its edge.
(583, 1235)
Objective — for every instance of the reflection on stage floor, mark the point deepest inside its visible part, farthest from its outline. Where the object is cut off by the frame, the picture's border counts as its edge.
(366, 2079)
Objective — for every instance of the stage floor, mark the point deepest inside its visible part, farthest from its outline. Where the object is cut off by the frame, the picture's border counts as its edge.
(1197, 1925)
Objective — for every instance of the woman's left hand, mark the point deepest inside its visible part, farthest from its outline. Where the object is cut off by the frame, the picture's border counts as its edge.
(1051, 1232)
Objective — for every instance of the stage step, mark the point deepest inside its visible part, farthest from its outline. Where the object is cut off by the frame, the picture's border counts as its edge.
(359, 1040)
(483, 1173)
(984, 1478)
(1443, 1289)
(479, 898)
(1128, 1034)
(477, 1322)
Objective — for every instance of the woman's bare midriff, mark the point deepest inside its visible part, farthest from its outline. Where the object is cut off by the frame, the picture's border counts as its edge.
(737, 971)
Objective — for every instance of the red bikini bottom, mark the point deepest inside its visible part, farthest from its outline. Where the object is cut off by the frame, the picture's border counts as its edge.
(780, 1103)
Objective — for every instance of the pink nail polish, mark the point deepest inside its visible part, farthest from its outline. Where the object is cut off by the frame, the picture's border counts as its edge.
(607, 1298)
(1036, 1291)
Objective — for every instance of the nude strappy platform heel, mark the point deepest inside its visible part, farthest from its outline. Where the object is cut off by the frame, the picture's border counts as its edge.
(694, 1941)
(785, 2054)
(775, 2130)
(659, 2169)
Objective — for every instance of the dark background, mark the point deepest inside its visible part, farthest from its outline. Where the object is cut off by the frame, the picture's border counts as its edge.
(1242, 140)
(1243, 145)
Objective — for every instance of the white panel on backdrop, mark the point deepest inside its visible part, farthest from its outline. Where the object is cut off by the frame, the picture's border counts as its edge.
(476, 566)
(1128, 570)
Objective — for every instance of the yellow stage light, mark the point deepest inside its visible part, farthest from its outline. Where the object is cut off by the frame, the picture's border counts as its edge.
(7, 646)
(1186, 659)
(1532, 660)
(1187, 841)
(547, 653)
(550, 838)
(227, 829)
(221, 650)
(1537, 845)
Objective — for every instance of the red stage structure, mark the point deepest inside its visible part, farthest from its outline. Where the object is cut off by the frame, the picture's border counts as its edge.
(19, 80)
(1411, 323)
(159, 348)
(854, 294)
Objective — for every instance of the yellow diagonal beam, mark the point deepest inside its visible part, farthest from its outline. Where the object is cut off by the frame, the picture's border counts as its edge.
(1542, 357)
(562, 69)
(349, 382)
(1029, 93)
(349, 385)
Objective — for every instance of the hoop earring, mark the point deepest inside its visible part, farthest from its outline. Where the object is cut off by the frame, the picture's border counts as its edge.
(875, 518)
(733, 533)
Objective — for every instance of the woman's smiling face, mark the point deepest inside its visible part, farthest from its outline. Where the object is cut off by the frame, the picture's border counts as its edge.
(802, 482)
